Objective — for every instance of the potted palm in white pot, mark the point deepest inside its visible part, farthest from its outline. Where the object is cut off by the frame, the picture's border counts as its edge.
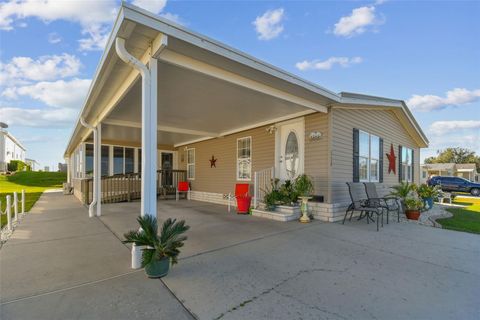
(304, 189)
(158, 250)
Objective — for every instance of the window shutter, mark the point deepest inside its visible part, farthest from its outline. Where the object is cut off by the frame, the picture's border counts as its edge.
(400, 163)
(413, 166)
(380, 160)
(356, 151)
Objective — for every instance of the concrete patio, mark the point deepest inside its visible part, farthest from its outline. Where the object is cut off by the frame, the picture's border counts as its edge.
(60, 264)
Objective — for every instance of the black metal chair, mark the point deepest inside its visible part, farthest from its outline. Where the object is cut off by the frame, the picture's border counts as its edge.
(390, 203)
(361, 203)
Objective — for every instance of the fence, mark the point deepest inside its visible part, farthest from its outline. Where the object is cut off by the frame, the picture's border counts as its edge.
(262, 182)
(128, 187)
(12, 223)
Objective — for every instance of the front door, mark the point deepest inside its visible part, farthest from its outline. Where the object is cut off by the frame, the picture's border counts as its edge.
(290, 149)
(167, 166)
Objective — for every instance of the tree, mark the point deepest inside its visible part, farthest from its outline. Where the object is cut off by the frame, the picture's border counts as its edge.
(455, 155)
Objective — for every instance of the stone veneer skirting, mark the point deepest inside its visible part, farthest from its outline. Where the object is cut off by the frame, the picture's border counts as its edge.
(327, 212)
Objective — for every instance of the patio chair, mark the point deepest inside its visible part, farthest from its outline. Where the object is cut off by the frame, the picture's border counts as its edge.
(362, 204)
(183, 187)
(390, 204)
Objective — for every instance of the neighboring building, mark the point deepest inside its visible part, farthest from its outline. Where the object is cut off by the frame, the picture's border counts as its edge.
(463, 170)
(62, 167)
(46, 169)
(10, 148)
(208, 103)
(34, 165)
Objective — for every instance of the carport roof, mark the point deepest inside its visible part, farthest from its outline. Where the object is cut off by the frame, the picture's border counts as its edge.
(109, 83)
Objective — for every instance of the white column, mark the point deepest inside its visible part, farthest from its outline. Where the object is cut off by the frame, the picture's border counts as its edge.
(9, 213)
(23, 201)
(149, 141)
(15, 206)
(98, 163)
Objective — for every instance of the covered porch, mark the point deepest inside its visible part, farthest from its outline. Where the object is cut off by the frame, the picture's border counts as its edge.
(161, 87)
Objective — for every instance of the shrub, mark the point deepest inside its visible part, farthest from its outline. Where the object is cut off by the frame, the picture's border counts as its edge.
(17, 165)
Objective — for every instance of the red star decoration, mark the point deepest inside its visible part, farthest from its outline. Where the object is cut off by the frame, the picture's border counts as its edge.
(391, 160)
(212, 162)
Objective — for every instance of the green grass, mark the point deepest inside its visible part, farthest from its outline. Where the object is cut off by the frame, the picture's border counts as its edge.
(464, 219)
(34, 183)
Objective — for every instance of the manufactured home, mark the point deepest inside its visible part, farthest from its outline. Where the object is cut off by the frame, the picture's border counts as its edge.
(168, 105)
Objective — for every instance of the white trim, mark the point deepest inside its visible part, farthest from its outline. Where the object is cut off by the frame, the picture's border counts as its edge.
(251, 157)
(132, 124)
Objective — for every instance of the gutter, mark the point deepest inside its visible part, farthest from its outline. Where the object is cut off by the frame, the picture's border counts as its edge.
(95, 173)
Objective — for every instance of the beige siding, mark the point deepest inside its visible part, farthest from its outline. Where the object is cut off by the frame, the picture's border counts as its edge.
(316, 152)
(382, 123)
(222, 179)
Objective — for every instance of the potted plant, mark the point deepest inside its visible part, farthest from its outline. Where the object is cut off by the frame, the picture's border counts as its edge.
(412, 208)
(158, 250)
(272, 196)
(428, 193)
(304, 189)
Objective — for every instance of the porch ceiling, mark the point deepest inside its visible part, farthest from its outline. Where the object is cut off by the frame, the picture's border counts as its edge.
(192, 105)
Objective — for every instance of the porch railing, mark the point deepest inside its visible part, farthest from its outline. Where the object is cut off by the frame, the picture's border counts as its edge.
(262, 180)
(128, 187)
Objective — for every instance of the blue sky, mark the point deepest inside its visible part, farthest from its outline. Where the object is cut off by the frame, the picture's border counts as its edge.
(426, 53)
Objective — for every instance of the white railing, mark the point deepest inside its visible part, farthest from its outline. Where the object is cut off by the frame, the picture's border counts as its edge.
(12, 223)
(262, 180)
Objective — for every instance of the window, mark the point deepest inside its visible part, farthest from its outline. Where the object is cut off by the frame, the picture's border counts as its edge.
(369, 157)
(105, 160)
(244, 159)
(407, 164)
(191, 164)
(118, 160)
(129, 159)
(88, 158)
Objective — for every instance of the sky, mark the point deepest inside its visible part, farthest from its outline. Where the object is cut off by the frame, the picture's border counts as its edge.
(425, 53)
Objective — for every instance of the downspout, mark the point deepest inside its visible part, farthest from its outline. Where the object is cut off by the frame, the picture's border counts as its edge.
(138, 65)
(95, 173)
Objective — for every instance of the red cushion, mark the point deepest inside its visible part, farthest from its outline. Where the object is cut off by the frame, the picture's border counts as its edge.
(183, 186)
(241, 189)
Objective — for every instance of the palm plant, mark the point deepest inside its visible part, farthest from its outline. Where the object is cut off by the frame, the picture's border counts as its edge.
(304, 185)
(403, 190)
(158, 247)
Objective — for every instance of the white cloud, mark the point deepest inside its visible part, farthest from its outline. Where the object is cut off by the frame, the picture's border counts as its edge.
(155, 6)
(48, 118)
(60, 94)
(173, 17)
(357, 22)
(54, 38)
(97, 37)
(23, 69)
(455, 97)
(327, 64)
(447, 127)
(269, 25)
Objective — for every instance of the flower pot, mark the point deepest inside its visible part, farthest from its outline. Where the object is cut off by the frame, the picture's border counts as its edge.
(428, 202)
(412, 214)
(304, 208)
(158, 268)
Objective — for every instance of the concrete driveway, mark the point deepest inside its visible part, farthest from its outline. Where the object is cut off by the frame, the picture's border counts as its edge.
(239, 267)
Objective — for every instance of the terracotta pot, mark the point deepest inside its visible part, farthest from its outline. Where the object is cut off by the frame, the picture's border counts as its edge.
(412, 214)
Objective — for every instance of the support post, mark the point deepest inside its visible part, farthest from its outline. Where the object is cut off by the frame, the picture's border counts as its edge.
(23, 201)
(255, 189)
(15, 206)
(9, 213)
(98, 163)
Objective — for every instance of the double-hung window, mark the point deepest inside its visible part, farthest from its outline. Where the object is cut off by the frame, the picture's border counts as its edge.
(191, 164)
(407, 164)
(244, 159)
(369, 157)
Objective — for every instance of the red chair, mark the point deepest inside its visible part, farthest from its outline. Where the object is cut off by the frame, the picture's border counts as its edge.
(243, 198)
(183, 187)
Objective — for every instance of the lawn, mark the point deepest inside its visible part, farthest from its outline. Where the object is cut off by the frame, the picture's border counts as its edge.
(34, 184)
(464, 219)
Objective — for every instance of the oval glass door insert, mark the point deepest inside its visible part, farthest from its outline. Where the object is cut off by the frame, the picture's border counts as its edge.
(291, 155)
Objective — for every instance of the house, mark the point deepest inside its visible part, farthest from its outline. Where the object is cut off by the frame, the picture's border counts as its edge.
(34, 165)
(166, 98)
(10, 148)
(463, 170)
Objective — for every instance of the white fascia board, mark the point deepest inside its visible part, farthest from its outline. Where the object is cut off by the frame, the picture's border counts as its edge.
(108, 47)
(132, 124)
(175, 30)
